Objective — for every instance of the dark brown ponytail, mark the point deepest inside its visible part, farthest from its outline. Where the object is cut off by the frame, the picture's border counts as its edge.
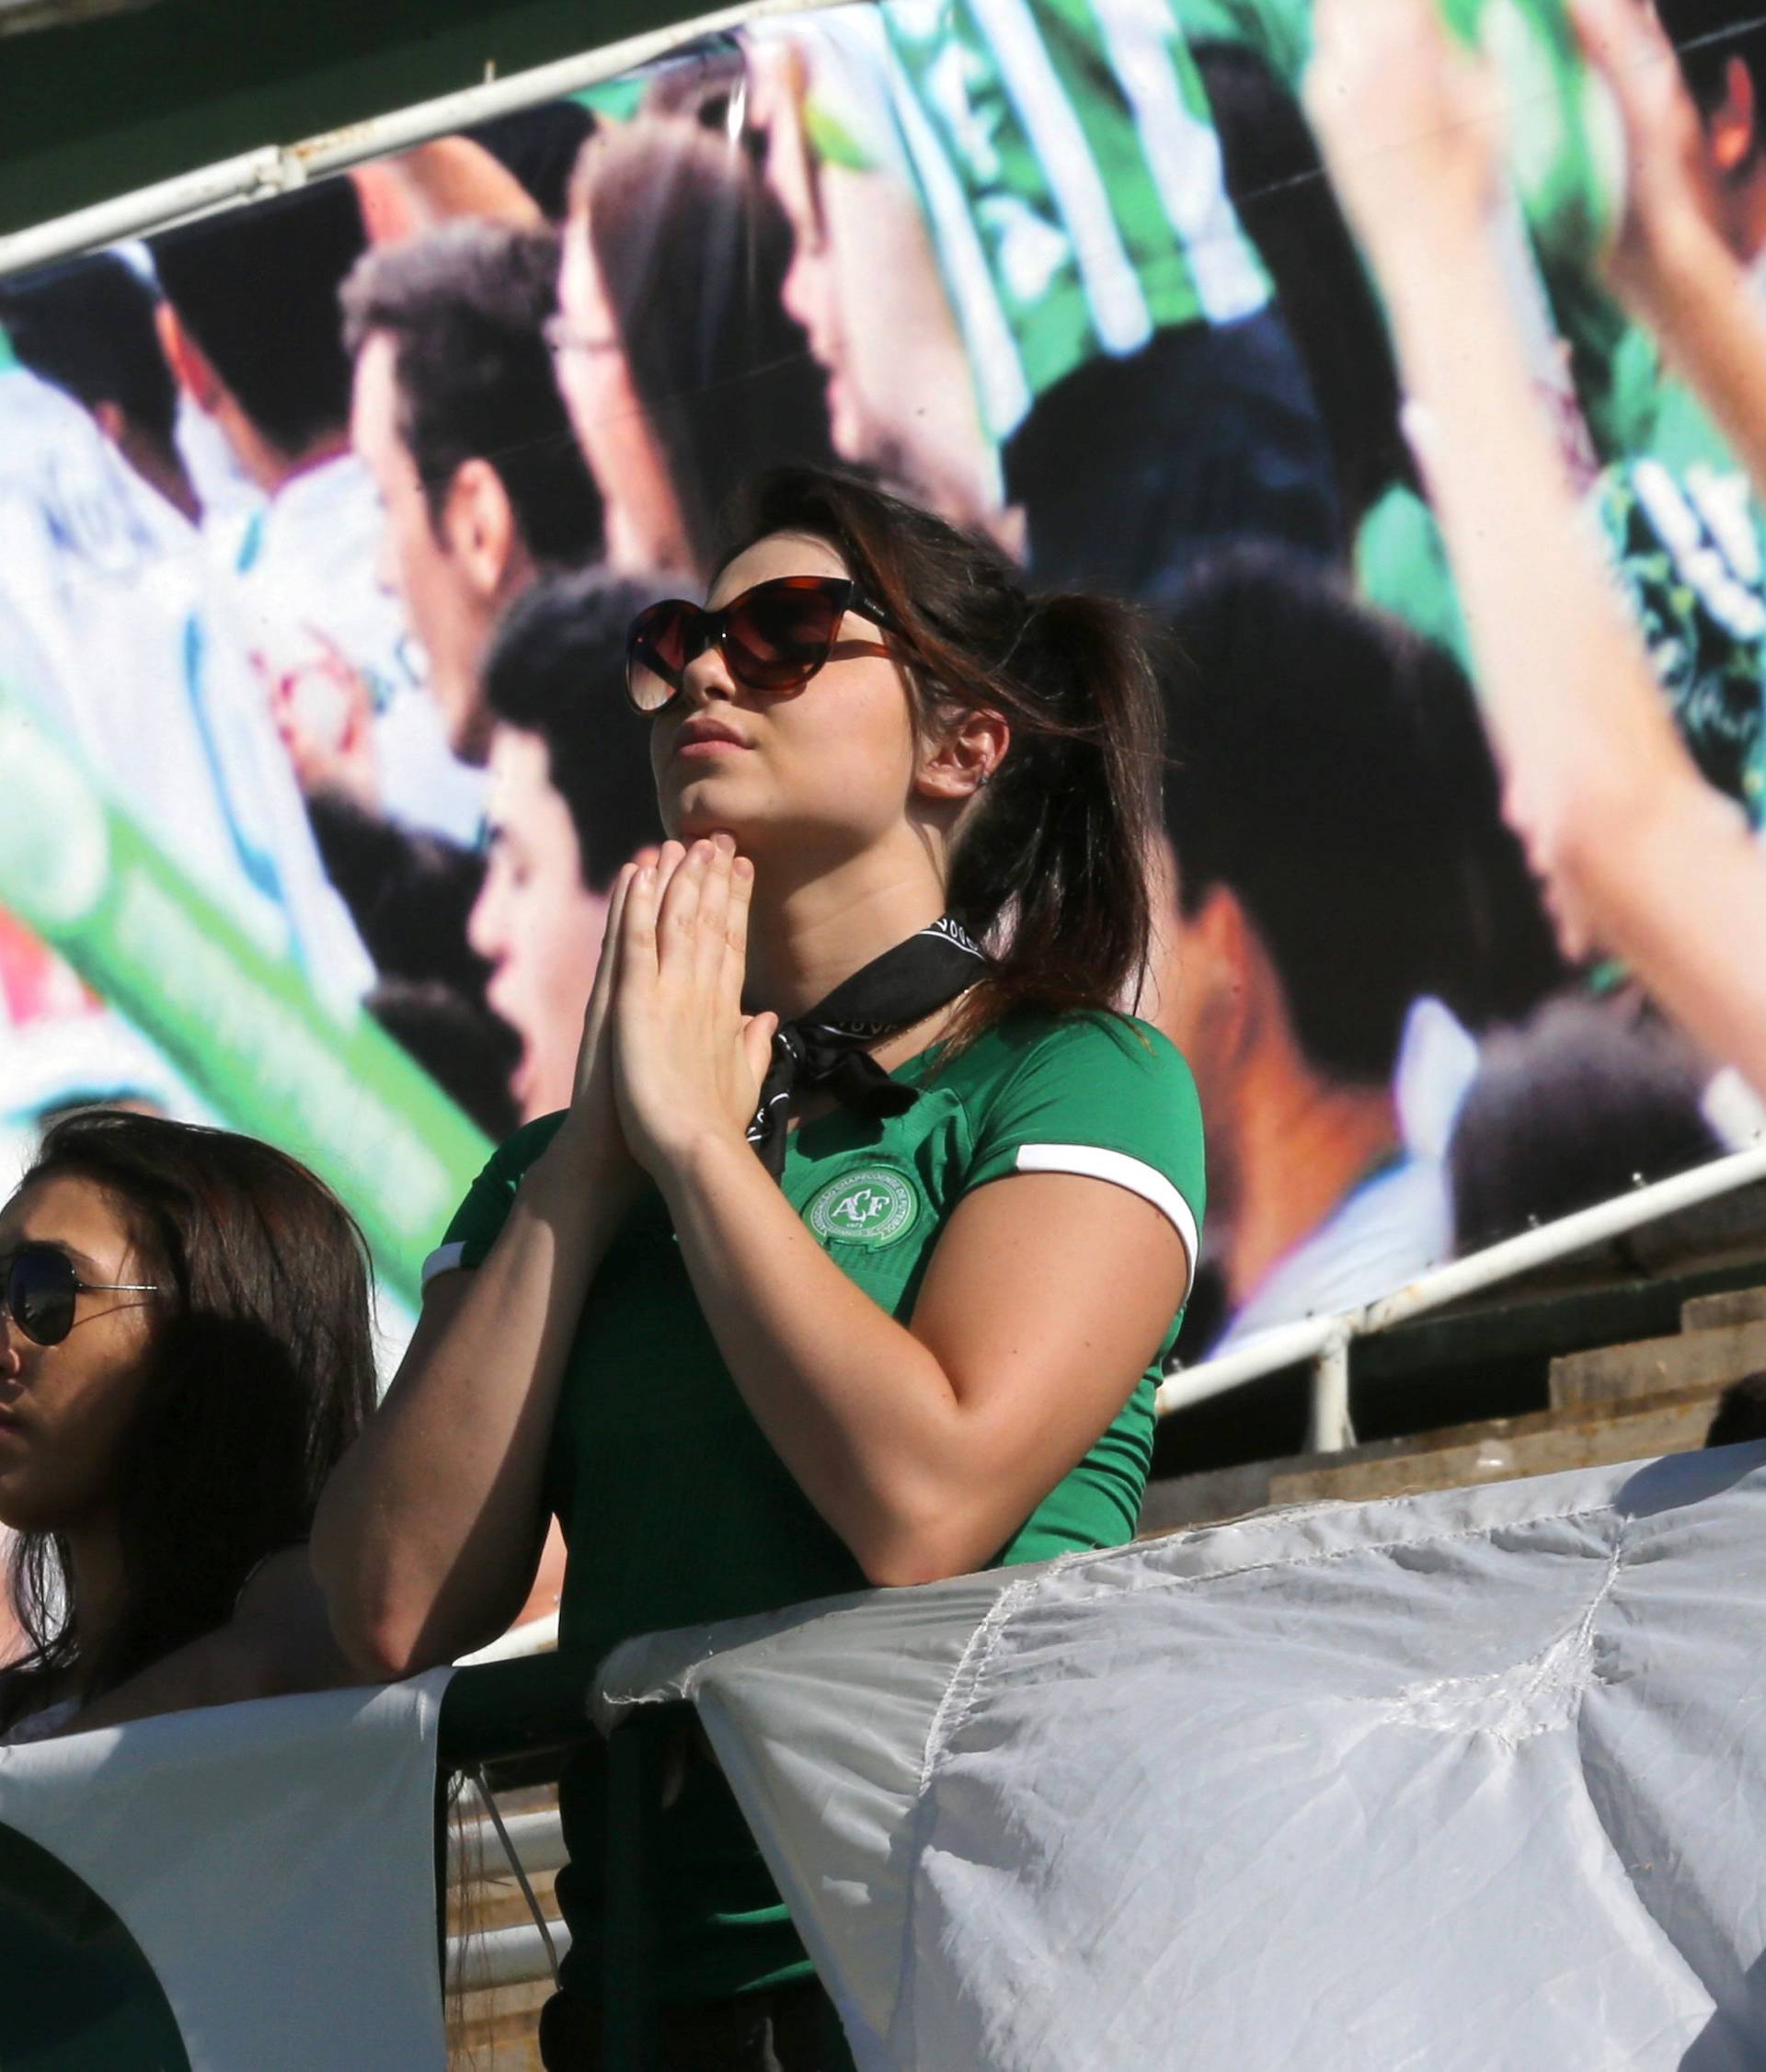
(1051, 870)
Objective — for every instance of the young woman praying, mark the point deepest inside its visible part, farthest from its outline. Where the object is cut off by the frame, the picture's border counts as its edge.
(857, 1252)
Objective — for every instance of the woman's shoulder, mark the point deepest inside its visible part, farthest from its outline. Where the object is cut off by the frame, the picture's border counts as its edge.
(518, 1152)
(38, 1725)
(1122, 1051)
(480, 1213)
(1090, 1091)
(29, 1709)
(1082, 1076)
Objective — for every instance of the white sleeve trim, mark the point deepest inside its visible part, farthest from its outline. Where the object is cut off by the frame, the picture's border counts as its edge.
(1121, 1171)
(444, 1260)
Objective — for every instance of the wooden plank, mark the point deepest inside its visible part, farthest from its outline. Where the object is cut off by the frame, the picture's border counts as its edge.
(497, 2031)
(1490, 1451)
(1737, 1305)
(1508, 1448)
(1690, 1359)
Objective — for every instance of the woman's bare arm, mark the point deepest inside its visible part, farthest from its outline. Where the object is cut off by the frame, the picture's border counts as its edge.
(430, 1531)
(925, 1447)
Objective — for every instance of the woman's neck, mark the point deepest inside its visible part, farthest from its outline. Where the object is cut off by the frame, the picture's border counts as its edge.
(806, 936)
(95, 1586)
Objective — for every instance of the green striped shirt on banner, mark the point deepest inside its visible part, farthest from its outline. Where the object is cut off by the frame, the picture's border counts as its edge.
(1072, 179)
(1279, 31)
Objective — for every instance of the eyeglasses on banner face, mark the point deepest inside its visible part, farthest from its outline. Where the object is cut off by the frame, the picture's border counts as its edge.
(772, 637)
(40, 1289)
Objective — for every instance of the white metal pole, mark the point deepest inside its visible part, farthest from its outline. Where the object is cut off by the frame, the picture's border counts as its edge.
(1569, 1234)
(149, 208)
(1329, 1428)
(275, 168)
(1288, 1345)
(500, 1957)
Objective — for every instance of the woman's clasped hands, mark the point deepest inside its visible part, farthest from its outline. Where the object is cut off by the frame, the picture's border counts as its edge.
(669, 1060)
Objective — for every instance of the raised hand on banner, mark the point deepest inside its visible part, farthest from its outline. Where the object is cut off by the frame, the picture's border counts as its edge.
(688, 1062)
(1671, 197)
(436, 183)
(1410, 123)
(324, 715)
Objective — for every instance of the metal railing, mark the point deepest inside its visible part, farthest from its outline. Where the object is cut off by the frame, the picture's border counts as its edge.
(521, 1710)
(274, 168)
(485, 1959)
(1325, 1341)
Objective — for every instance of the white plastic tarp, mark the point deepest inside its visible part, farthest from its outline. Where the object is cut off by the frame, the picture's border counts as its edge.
(1466, 1783)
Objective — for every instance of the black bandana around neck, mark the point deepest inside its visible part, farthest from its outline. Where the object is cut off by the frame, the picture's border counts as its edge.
(827, 1049)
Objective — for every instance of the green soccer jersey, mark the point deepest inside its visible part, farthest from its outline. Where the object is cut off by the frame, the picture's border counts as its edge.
(1635, 408)
(1401, 565)
(1687, 557)
(1684, 550)
(1070, 177)
(676, 1509)
(1279, 31)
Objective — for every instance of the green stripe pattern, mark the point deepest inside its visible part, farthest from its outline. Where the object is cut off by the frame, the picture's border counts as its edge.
(1070, 173)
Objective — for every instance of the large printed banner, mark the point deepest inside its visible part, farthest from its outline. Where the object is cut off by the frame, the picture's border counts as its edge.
(248, 1885)
(321, 520)
(336, 1091)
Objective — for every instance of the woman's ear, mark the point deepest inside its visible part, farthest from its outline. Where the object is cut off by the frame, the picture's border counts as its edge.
(964, 757)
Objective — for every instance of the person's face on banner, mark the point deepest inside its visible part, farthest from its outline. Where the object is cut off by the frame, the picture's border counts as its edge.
(591, 373)
(645, 530)
(812, 290)
(1202, 983)
(433, 569)
(827, 294)
(864, 285)
(815, 775)
(66, 1410)
(535, 920)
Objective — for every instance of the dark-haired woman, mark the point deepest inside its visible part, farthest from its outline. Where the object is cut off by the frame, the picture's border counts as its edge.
(185, 1349)
(680, 367)
(856, 1254)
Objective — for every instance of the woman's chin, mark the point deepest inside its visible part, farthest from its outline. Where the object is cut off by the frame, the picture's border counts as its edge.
(700, 813)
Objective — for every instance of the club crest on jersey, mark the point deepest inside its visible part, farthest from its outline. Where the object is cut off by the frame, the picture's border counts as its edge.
(872, 1206)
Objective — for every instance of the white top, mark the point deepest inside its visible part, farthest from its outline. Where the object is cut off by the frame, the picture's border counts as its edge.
(303, 568)
(114, 624)
(1392, 1227)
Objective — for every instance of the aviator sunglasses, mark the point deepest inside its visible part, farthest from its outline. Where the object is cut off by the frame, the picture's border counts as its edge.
(40, 1286)
(772, 637)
